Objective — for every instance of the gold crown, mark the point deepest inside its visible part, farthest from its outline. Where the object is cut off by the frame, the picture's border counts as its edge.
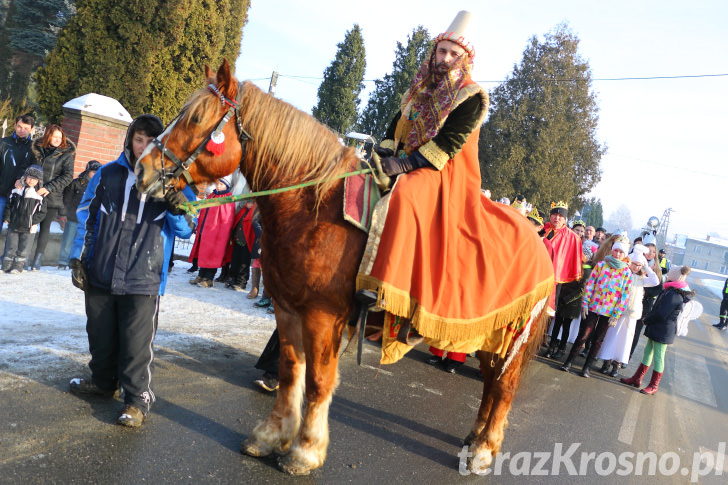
(623, 239)
(516, 204)
(559, 205)
(578, 222)
(535, 215)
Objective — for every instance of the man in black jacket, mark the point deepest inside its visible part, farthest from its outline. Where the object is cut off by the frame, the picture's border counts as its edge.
(15, 156)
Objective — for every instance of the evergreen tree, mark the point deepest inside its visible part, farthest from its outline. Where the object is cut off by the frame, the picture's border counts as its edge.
(28, 35)
(592, 214)
(540, 138)
(148, 55)
(338, 94)
(384, 101)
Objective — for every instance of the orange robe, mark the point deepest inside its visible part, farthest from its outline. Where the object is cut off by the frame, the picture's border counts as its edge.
(459, 265)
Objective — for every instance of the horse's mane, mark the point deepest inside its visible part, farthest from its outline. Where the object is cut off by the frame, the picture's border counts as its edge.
(288, 146)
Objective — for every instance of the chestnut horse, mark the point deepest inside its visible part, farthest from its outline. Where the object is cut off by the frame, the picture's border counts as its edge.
(310, 257)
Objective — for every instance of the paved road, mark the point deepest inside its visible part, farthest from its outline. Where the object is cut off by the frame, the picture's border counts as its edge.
(400, 424)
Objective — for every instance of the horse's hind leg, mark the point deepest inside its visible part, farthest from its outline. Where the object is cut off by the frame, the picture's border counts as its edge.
(488, 442)
(276, 433)
(321, 338)
(487, 369)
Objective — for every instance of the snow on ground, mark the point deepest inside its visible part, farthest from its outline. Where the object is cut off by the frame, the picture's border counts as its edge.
(712, 281)
(43, 323)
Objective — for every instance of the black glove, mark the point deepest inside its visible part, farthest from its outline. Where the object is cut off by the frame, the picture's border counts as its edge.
(174, 200)
(383, 152)
(394, 166)
(79, 274)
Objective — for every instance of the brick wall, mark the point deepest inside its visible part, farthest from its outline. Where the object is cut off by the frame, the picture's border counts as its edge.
(96, 137)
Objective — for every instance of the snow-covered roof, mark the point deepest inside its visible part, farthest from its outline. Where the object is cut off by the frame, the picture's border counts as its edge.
(99, 105)
(709, 240)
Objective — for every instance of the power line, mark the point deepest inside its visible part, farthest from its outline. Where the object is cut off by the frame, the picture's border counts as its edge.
(633, 78)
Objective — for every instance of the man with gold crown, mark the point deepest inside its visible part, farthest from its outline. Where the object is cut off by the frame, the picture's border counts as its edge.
(458, 269)
(567, 258)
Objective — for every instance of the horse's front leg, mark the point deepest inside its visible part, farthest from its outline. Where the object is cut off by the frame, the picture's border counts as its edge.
(321, 338)
(487, 443)
(276, 433)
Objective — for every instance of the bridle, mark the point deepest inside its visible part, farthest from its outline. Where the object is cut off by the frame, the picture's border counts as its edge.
(182, 167)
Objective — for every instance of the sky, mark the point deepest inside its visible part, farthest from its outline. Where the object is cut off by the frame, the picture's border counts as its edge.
(665, 138)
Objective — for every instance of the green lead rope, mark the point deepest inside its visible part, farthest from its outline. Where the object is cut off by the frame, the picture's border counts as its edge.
(194, 206)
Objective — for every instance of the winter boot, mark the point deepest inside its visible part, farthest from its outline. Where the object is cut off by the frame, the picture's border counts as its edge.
(560, 352)
(605, 367)
(224, 274)
(551, 350)
(255, 283)
(7, 265)
(615, 369)
(654, 383)
(37, 262)
(567, 363)
(636, 379)
(17, 267)
(587, 366)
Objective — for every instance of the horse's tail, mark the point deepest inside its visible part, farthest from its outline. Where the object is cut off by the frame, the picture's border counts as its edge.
(540, 324)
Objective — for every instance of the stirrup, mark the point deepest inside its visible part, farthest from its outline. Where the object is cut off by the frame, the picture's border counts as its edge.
(365, 299)
(408, 335)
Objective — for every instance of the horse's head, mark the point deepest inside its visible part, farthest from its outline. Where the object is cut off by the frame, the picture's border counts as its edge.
(202, 144)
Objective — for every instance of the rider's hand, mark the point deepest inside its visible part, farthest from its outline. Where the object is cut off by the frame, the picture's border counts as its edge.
(394, 166)
(383, 152)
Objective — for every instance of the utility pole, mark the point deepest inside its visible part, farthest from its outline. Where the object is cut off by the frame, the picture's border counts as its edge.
(273, 82)
(662, 229)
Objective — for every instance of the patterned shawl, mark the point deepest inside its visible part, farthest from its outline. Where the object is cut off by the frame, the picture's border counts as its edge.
(426, 106)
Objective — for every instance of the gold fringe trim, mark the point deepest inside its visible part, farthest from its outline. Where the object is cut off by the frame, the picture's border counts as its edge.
(434, 154)
(431, 326)
(393, 300)
(434, 326)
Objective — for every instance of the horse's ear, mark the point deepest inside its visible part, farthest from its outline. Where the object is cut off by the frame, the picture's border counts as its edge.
(223, 75)
(209, 74)
(225, 81)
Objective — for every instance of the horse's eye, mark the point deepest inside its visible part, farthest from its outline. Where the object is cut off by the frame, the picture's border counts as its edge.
(194, 119)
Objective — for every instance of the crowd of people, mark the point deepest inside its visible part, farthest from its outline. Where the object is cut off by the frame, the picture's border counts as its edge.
(608, 290)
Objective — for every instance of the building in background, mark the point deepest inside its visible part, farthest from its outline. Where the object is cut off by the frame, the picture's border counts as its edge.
(706, 254)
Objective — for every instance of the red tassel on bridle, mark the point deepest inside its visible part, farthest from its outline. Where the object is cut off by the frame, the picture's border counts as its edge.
(216, 144)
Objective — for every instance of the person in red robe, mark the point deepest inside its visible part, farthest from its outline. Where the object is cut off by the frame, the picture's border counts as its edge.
(212, 242)
(567, 257)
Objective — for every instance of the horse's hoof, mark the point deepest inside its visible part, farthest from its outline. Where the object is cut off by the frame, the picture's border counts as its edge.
(253, 447)
(480, 462)
(292, 466)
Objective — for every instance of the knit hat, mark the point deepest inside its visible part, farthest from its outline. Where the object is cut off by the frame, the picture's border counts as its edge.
(227, 181)
(638, 254)
(34, 171)
(678, 273)
(621, 243)
(93, 166)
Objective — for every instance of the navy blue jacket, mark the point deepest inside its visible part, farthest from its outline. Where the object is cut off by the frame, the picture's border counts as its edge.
(125, 237)
(661, 322)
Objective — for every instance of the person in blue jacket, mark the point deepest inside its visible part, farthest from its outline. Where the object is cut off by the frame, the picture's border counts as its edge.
(120, 258)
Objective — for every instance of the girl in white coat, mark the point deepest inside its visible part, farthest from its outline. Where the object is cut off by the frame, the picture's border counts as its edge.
(618, 340)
